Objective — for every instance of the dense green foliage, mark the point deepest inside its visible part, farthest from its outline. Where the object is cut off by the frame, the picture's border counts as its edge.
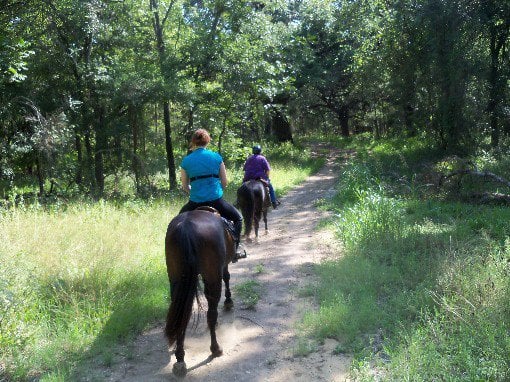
(423, 287)
(94, 91)
(98, 100)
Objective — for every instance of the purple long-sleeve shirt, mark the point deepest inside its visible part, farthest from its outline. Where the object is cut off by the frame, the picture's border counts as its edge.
(255, 167)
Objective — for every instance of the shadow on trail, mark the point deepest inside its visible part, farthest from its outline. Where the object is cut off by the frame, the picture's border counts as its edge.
(120, 353)
(137, 302)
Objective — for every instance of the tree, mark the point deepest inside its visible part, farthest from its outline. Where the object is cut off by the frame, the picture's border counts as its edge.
(495, 19)
(159, 23)
(326, 65)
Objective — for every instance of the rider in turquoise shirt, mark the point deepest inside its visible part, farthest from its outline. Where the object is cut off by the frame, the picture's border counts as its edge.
(200, 163)
(203, 176)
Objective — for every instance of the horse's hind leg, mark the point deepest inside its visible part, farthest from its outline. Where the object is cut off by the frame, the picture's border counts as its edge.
(256, 219)
(228, 296)
(212, 292)
(179, 369)
(264, 214)
(248, 221)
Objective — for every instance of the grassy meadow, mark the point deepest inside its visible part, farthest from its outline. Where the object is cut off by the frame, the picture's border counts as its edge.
(79, 278)
(421, 291)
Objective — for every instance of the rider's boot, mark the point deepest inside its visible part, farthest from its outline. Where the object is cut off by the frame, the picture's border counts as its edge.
(240, 252)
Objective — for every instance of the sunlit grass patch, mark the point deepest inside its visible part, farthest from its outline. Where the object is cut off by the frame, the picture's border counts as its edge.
(74, 276)
(430, 276)
(259, 269)
(303, 347)
(285, 177)
(349, 295)
(249, 293)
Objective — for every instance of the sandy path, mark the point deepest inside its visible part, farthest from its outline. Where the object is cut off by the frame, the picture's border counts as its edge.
(258, 345)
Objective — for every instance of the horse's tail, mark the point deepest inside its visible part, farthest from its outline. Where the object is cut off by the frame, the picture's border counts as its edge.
(184, 290)
(246, 198)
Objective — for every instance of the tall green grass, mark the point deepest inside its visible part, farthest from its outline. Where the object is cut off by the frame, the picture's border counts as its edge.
(78, 279)
(74, 276)
(422, 291)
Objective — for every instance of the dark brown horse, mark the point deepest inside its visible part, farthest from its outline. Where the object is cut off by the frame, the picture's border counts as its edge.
(253, 201)
(196, 243)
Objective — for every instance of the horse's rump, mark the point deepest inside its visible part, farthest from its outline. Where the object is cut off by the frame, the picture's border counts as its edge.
(193, 235)
(253, 200)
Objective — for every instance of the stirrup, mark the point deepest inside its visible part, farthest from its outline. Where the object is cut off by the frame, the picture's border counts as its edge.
(239, 255)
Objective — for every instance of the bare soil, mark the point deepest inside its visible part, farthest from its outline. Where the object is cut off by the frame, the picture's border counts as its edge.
(260, 344)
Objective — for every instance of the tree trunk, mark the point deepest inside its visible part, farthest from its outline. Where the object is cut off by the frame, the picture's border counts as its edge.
(494, 96)
(408, 120)
(135, 166)
(158, 25)
(98, 154)
(343, 116)
(169, 148)
(40, 175)
(156, 119)
(191, 120)
(89, 160)
(79, 170)
(222, 133)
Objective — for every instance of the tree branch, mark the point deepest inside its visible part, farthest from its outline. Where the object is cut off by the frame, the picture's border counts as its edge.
(482, 174)
(167, 13)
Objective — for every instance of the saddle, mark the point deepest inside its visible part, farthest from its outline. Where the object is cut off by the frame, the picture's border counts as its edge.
(229, 227)
(208, 209)
(227, 224)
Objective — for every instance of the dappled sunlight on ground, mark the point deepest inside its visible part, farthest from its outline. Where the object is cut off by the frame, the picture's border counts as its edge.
(258, 344)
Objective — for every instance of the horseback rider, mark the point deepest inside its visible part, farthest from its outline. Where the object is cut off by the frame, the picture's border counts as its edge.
(257, 167)
(204, 177)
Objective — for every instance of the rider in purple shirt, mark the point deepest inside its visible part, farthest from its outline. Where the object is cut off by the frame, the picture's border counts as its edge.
(257, 167)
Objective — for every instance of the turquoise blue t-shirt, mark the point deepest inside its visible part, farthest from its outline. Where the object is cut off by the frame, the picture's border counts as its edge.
(203, 162)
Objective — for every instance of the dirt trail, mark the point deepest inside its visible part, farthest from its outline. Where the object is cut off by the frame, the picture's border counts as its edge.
(258, 345)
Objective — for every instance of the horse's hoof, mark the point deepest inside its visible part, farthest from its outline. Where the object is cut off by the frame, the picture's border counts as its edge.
(216, 351)
(249, 239)
(179, 369)
(266, 232)
(228, 304)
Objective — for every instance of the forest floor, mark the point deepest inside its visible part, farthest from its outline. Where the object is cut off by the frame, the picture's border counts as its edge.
(258, 344)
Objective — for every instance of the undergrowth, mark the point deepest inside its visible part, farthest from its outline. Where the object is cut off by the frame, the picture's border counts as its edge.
(422, 291)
